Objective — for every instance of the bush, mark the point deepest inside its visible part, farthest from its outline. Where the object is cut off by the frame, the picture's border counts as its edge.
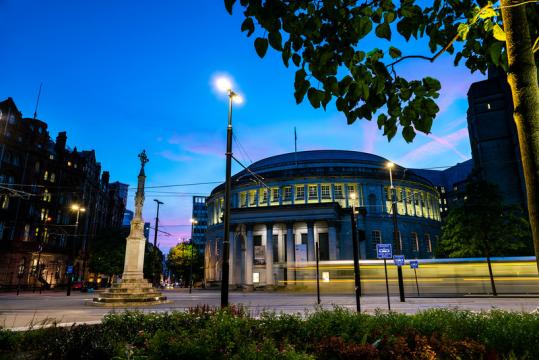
(206, 333)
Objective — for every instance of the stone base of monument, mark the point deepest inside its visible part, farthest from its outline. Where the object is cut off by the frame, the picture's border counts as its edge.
(130, 292)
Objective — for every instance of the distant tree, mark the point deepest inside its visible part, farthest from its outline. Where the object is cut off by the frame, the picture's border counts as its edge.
(153, 263)
(346, 50)
(483, 226)
(107, 252)
(179, 262)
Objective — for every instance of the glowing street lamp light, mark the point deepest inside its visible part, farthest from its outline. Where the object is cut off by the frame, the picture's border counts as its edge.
(396, 239)
(225, 85)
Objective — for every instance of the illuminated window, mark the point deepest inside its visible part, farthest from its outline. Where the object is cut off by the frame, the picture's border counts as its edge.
(313, 192)
(46, 175)
(26, 232)
(414, 241)
(52, 178)
(263, 197)
(5, 202)
(287, 193)
(69, 163)
(274, 196)
(253, 198)
(376, 238)
(428, 243)
(300, 192)
(51, 156)
(243, 199)
(338, 192)
(325, 192)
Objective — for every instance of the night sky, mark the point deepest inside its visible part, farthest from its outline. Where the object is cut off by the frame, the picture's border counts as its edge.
(121, 76)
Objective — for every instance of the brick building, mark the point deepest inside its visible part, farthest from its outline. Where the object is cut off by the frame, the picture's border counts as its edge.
(40, 181)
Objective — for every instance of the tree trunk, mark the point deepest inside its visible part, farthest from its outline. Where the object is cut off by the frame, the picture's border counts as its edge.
(522, 78)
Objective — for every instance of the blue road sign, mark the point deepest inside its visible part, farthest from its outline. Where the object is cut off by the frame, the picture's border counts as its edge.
(399, 260)
(69, 269)
(384, 251)
(414, 264)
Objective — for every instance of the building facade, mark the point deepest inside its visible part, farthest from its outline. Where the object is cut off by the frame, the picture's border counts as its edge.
(494, 139)
(285, 205)
(40, 181)
(200, 224)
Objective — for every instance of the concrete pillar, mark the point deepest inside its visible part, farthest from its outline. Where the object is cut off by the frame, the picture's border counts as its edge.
(332, 239)
(269, 254)
(310, 242)
(248, 265)
(290, 252)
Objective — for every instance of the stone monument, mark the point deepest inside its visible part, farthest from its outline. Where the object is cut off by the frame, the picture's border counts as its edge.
(133, 290)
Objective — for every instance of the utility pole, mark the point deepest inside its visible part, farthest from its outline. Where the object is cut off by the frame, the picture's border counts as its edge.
(396, 236)
(355, 250)
(154, 262)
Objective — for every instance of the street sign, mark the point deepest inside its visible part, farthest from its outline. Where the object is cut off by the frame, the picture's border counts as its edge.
(384, 251)
(69, 269)
(414, 264)
(399, 260)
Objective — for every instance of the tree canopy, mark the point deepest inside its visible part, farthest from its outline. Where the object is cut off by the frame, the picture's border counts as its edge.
(344, 50)
(179, 261)
(483, 226)
(107, 251)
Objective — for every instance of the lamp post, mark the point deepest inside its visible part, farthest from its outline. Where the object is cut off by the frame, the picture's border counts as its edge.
(154, 253)
(355, 250)
(225, 85)
(78, 209)
(193, 223)
(396, 239)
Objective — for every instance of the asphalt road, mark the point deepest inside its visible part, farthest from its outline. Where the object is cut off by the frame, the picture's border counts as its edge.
(32, 309)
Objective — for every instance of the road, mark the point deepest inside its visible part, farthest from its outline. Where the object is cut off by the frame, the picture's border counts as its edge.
(32, 309)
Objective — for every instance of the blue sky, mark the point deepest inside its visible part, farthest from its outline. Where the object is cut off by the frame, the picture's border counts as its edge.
(121, 76)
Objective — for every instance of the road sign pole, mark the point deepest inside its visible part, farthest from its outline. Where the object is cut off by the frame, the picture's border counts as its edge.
(387, 286)
(317, 273)
(416, 284)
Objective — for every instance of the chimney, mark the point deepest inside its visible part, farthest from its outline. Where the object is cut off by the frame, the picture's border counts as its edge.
(105, 177)
(61, 141)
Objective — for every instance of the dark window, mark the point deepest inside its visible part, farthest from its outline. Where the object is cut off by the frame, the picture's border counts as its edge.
(304, 238)
(257, 240)
(323, 244)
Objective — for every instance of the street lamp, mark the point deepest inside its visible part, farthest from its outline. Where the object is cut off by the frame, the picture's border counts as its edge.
(396, 239)
(355, 249)
(78, 209)
(225, 85)
(193, 223)
(154, 272)
(40, 249)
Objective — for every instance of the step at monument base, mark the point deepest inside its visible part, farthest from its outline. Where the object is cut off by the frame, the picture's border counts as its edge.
(130, 292)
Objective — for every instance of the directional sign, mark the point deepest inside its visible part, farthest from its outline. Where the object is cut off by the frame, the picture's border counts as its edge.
(69, 269)
(384, 251)
(399, 260)
(414, 264)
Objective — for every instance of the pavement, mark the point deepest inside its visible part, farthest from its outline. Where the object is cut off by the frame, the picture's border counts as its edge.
(30, 310)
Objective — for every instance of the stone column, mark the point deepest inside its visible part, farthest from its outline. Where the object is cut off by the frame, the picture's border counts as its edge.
(332, 239)
(269, 254)
(310, 242)
(248, 286)
(290, 255)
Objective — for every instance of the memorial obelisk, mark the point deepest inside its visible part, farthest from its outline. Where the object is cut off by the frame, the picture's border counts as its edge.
(134, 289)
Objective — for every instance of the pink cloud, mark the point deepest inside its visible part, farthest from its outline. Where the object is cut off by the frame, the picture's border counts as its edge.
(169, 155)
(200, 144)
(436, 146)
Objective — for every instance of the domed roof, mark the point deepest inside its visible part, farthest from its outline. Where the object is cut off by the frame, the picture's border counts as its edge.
(312, 157)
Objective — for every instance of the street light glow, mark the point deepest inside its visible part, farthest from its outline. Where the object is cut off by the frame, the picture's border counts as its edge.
(75, 207)
(193, 221)
(238, 99)
(223, 84)
(389, 164)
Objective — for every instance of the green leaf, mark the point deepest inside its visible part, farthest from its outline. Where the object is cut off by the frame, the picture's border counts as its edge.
(408, 133)
(364, 26)
(463, 30)
(315, 97)
(498, 33)
(296, 59)
(248, 25)
(431, 83)
(487, 12)
(275, 40)
(495, 52)
(261, 46)
(394, 52)
(228, 5)
(383, 31)
(382, 118)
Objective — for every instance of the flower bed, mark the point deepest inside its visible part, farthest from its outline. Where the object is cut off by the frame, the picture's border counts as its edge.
(205, 333)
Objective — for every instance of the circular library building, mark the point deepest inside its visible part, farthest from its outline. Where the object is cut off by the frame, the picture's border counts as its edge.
(285, 207)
